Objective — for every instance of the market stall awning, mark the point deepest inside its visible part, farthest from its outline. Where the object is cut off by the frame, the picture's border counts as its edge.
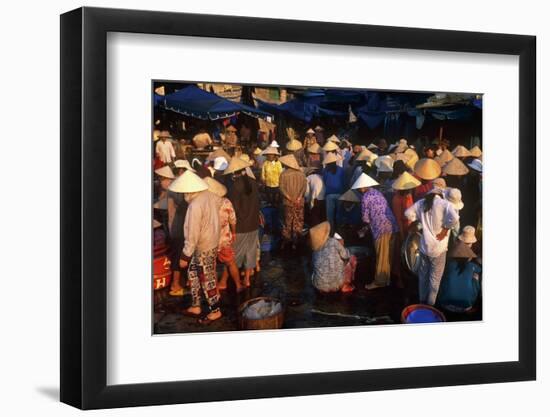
(304, 108)
(195, 102)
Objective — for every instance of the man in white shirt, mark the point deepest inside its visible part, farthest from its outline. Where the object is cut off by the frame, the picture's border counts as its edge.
(437, 216)
(315, 198)
(164, 149)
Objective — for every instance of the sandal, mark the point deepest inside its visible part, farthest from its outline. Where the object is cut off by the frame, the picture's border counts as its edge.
(177, 293)
(205, 321)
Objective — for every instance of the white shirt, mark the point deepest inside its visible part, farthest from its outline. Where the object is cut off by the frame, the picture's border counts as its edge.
(165, 151)
(442, 215)
(315, 189)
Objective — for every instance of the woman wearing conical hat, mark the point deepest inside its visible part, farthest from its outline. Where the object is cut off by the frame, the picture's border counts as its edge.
(313, 156)
(333, 264)
(349, 210)
(270, 174)
(245, 198)
(334, 178)
(426, 170)
(378, 216)
(294, 147)
(177, 209)
(402, 199)
(363, 163)
(461, 283)
(200, 249)
(292, 185)
(228, 233)
(310, 138)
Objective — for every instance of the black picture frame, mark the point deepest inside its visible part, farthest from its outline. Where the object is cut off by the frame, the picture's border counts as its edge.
(84, 207)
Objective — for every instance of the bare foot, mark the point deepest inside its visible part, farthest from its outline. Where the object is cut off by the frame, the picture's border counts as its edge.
(192, 311)
(214, 315)
(347, 288)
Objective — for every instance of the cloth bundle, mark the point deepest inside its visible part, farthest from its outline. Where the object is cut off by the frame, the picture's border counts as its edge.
(262, 309)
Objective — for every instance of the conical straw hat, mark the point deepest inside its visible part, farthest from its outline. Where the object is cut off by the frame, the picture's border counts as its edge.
(372, 146)
(274, 144)
(165, 134)
(315, 148)
(427, 169)
(165, 172)
(245, 157)
(384, 163)
(289, 161)
(250, 173)
(454, 196)
(310, 131)
(293, 145)
(183, 163)
(215, 186)
(330, 158)
(334, 139)
(476, 165)
(455, 167)
(364, 181)
(400, 157)
(330, 146)
(231, 128)
(468, 234)
(220, 163)
(218, 152)
(351, 196)
(236, 164)
(156, 224)
(461, 152)
(461, 250)
(188, 182)
(445, 157)
(405, 182)
(319, 235)
(476, 152)
(257, 151)
(270, 150)
(364, 155)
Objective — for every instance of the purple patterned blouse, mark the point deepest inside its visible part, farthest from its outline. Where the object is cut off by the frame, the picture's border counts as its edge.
(377, 213)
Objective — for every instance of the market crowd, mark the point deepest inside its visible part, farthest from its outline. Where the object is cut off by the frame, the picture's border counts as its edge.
(216, 198)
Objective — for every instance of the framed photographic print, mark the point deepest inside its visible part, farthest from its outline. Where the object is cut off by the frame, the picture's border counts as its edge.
(257, 208)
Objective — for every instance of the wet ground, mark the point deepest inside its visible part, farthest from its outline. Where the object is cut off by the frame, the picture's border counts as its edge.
(285, 276)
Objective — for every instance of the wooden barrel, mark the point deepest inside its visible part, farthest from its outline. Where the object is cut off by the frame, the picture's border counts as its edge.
(271, 322)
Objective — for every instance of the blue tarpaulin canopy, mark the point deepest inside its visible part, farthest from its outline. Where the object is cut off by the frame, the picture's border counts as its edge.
(195, 102)
(305, 108)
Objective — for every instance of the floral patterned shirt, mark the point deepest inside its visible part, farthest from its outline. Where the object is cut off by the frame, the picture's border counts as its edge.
(227, 218)
(377, 213)
(328, 266)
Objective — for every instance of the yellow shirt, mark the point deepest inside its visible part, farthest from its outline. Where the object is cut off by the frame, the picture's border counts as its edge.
(271, 171)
